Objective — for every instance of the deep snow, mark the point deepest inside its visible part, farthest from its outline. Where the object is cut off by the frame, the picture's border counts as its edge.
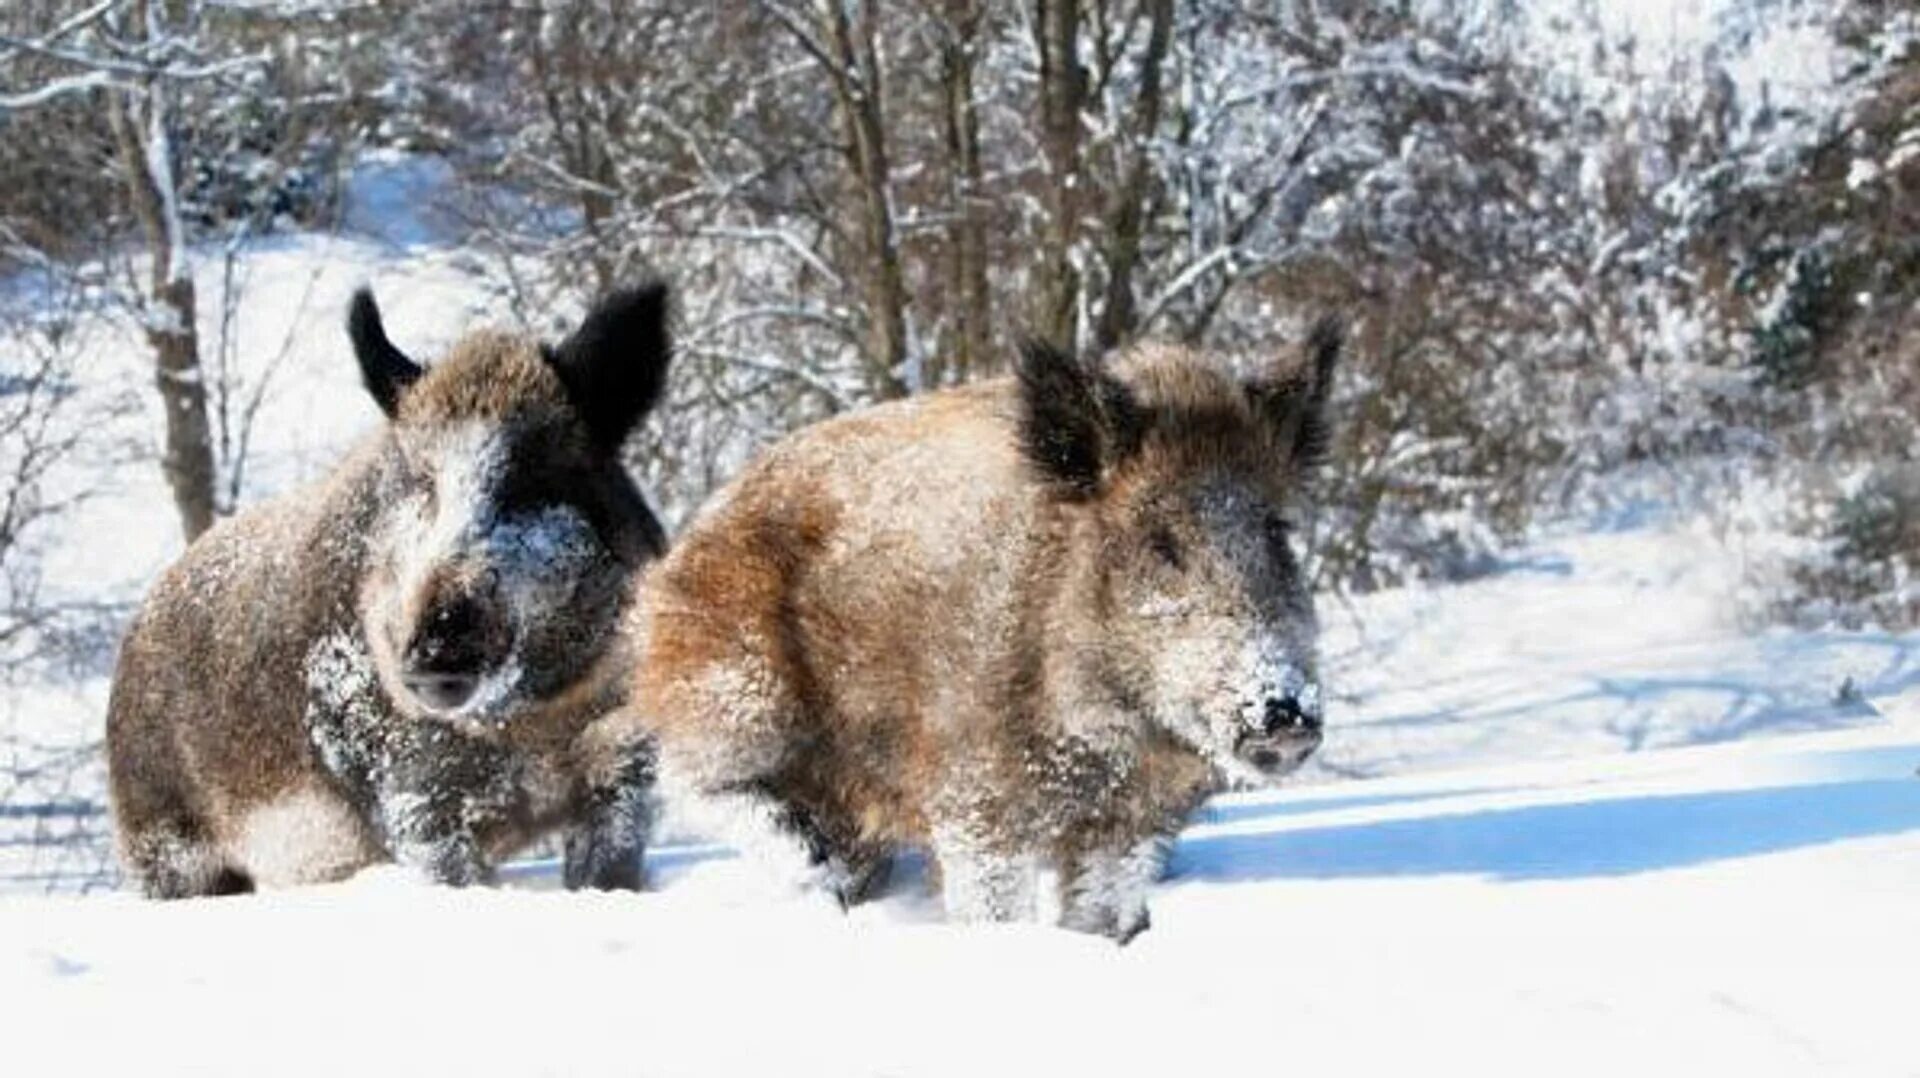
(1746, 908)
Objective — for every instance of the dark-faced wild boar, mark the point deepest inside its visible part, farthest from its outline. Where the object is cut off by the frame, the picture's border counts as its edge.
(1027, 625)
(397, 661)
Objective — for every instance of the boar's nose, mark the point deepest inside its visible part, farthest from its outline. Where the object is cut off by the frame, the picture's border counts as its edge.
(442, 691)
(443, 664)
(1288, 716)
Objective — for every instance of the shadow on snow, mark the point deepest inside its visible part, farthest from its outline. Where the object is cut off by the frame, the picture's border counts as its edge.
(1542, 842)
(1641, 704)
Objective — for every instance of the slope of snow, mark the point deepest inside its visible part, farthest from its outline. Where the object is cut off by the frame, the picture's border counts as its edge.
(1745, 908)
(1588, 641)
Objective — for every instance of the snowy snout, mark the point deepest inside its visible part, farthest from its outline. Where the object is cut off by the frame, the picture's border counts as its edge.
(1279, 729)
(460, 640)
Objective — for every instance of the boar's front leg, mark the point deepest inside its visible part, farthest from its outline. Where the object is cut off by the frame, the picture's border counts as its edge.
(1104, 891)
(605, 845)
(436, 803)
(428, 835)
(979, 880)
(767, 830)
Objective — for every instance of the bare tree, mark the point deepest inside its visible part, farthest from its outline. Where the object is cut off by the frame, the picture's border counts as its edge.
(1062, 89)
(52, 821)
(865, 199)
(135, 54)
(1128, 200)
(37, 432)
(959, 34)
(843, 37)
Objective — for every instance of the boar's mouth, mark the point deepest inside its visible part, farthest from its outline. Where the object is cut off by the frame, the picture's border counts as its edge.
(480, 696)
(1276, 754)
(463, 683)
(460, 663)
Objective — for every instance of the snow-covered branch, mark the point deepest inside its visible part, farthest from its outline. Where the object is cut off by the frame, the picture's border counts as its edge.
(134, 68)
(54, 89)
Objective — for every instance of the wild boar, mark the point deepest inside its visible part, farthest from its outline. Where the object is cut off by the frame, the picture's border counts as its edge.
(1027, 625)
(397, 661)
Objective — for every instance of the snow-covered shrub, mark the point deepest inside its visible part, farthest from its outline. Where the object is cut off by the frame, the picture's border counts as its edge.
(1824, 548)
(43, 423)
(1881, 520)
(1869, 568)
(1789, 327)
(244, 165)
(51, 457)
(56, 195)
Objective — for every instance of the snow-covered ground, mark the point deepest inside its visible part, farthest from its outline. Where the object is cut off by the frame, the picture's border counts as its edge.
(1590, 640)
(1751, 908)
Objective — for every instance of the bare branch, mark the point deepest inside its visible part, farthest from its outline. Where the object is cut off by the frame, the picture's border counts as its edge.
(61, 87)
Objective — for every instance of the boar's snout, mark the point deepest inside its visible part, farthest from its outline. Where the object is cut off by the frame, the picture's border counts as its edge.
(1281, 728)
(457, 643)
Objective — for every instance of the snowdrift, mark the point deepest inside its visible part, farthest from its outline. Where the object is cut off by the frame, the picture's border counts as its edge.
(1746, 908)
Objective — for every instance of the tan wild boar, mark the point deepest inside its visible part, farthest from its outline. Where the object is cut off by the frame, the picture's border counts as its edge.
(1027, 625)
(396, 662)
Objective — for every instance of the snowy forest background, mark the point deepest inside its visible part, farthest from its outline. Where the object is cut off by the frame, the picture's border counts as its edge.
(1597, 256)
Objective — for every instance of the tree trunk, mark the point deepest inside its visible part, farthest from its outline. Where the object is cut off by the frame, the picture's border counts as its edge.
(146, 159)
(1127, 214)
(564, 83)
(1056, 292)
(855, 73)
(188, 462)
(970, 354)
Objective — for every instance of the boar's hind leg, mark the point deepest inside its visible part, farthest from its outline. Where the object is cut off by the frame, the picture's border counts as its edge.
(166, 845)
(606, 843)
(175, 859)
(1105, 891)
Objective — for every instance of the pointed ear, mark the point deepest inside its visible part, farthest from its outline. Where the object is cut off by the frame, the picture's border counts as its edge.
(385, 369)
(1075, 422)
(1297, 402)
(615, 365)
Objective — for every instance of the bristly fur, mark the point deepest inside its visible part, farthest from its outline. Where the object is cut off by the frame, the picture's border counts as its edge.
(1295, 399)
(1029, 623)
(262, 729)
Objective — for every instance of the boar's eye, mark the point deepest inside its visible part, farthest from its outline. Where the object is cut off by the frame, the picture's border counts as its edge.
(1165, 546)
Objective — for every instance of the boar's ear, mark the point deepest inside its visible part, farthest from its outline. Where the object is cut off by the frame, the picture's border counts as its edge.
(1075, 421)
(386, 370)
(615, 365)
(1297, 402)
